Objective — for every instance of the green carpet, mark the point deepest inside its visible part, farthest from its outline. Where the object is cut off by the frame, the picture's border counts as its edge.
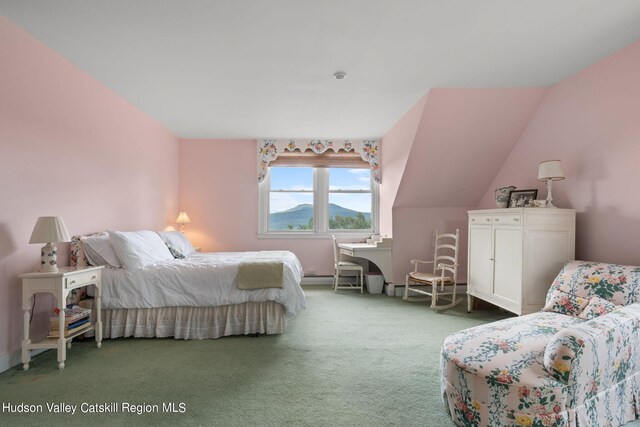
(348, 360)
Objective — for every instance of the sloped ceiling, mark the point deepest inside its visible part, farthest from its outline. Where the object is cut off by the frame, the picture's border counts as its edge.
(394, 159)
(252, 68)
(462, 139)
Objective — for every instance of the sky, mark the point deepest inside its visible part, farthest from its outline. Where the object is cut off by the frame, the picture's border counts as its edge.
(302, 179)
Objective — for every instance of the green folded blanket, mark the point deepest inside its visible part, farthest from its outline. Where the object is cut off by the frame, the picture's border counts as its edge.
(260, 274)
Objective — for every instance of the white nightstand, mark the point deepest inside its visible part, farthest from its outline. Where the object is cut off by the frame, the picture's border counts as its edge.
(59, 284)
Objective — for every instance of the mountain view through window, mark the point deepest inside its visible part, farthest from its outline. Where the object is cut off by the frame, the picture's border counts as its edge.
(347, 198)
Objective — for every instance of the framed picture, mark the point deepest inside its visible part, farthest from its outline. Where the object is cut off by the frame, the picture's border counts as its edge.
(522, 198)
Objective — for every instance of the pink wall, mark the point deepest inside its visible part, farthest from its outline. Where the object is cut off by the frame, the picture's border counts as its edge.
(462, 139)
(591, 121)
(450, 145)
(218, 189)
(69, 147)
(396, 146)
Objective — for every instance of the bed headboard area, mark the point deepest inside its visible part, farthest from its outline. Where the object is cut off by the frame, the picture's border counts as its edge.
(135, 248)
(77, 257)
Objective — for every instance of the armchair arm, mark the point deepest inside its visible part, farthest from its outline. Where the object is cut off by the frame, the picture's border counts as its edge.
(595, 355)
(415, 263)
(442, 264)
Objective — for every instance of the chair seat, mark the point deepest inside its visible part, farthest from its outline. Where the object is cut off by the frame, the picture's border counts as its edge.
(428, 277)
(349, 264)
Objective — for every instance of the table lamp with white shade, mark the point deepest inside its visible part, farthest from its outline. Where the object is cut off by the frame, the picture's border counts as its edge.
(550, 170)
(183, 219)
(49, 229)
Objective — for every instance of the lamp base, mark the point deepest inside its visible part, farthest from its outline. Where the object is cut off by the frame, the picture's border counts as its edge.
(48, 259)
(549, 196)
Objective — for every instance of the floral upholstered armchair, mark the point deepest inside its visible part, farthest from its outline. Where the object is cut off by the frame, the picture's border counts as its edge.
(576, 363)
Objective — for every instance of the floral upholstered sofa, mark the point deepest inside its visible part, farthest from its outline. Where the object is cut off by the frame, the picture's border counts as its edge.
(576, 363)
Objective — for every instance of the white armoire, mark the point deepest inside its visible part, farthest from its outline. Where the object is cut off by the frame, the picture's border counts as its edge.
(514, 255)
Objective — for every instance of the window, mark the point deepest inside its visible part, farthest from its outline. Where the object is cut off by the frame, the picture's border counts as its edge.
(291, 199)
(317, 201)
(350, 200)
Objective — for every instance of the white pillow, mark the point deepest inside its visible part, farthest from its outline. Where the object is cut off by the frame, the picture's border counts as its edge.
(99, 251)
(178, 240)
(139, 248)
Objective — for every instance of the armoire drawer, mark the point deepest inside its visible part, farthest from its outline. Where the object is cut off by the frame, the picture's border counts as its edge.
(507, 219)
(501, 219)
(480, 220)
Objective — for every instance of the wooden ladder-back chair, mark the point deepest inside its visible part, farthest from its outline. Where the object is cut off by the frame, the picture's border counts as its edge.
(445, 273)
(339, 265)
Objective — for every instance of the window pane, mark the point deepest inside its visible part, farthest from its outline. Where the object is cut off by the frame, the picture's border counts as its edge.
(349, 179)
(291, 178)
(291, 212)
(349, 211)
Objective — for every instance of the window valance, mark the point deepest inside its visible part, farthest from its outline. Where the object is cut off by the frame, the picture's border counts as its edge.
(343, 153)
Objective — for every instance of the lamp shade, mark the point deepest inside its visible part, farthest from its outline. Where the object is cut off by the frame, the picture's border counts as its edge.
(183, 218)
(49, 229)
(550, 169)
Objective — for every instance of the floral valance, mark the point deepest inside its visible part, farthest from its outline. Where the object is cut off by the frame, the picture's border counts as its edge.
(269, 149)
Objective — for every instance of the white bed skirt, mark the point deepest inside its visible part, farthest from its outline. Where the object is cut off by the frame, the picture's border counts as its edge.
(267, 317)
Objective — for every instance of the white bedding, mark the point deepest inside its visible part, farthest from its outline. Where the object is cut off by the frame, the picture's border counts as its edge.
(200, 280)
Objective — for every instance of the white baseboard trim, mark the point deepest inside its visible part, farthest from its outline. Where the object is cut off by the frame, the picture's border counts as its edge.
(317, 280)
(323, 280)
(14, 358)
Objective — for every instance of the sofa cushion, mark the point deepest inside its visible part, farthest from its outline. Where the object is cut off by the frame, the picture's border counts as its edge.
(597, 307)
(564, 303)
(619, 284)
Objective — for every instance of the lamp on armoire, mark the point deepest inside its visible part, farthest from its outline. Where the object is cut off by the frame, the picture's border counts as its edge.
(49, 229)
(550, 170)
(183, 219)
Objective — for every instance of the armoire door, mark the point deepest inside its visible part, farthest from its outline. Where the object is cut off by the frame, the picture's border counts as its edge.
(480, 274)
(507, 279)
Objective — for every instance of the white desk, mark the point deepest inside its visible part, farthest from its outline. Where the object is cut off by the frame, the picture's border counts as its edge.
(379, 255)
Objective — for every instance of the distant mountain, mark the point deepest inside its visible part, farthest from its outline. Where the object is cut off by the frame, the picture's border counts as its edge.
(301, 214)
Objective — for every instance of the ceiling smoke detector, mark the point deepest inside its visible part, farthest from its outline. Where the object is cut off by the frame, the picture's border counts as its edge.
(339, 75)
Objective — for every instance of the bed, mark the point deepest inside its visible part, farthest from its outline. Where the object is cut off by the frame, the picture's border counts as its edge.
(195, 296)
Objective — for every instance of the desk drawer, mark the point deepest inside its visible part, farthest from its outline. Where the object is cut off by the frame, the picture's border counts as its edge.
(346, 252)
(81, 279)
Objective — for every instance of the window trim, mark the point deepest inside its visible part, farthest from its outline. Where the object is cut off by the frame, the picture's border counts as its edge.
(320, 211)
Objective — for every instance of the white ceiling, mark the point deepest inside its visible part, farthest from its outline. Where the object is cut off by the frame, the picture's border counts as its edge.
(264, 68)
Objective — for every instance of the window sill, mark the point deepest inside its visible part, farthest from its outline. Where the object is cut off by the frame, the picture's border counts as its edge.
(312, 236)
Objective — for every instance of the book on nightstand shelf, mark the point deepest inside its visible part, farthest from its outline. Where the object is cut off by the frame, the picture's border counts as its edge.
(69, 325)
(75, 318)
(55, 333)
